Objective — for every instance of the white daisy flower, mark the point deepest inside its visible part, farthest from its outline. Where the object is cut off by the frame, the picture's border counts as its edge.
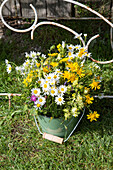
(77, 47)
(96, 66)
(58, 71)
(59, 100)
(40, 81)
(45, 86)
(17, 68)
(26, 62)
(62, 89)
(52, 82)
(43, 56)
(36, 91)
(74, 111)
(53, 91)
(88, 55)
(9, 68)
(59, 56)
(33, 54)
(70, 47)
(38, 53)
(49, 77)
(6, 61)
(37, 105)
(56, 76)
(71, 55)
(27, 55)
(41, 100)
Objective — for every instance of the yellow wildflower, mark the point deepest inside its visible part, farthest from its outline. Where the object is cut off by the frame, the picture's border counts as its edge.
(70, 76)
(73, 77)
(45, 70)
(58, 47)
(25, 82)
(82, 52)
(38, 64)
(95, 85)
(93, 116)
(53, 54)
(66, 75)
(29, 79)
(73, 66)
(54, 64)
(80, 73)
(89, 99)
(63, 60)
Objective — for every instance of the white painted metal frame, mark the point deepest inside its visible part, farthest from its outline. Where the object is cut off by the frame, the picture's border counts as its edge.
(17, 30)
(35, 25)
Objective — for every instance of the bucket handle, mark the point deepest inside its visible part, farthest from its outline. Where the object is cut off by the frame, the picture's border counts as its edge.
(55, 138)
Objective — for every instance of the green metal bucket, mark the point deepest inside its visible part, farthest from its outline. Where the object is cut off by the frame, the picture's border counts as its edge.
(57, 126)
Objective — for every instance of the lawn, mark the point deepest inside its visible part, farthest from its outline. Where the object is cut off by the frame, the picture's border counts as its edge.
(21, 145)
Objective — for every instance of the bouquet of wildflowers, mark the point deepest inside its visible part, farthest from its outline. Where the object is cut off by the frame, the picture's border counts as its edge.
(62, 83)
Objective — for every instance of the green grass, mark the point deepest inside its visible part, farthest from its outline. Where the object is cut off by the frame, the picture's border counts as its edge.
(21, 145)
